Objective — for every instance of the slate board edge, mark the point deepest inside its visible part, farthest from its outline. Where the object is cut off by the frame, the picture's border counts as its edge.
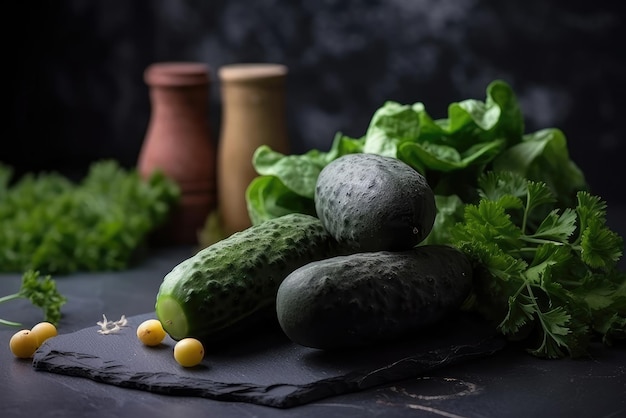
(297, 395)
(403, 369)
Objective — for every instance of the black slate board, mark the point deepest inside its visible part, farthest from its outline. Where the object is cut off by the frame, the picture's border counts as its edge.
(266, 370)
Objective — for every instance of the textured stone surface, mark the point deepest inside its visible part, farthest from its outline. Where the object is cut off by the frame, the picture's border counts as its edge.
(266, 370)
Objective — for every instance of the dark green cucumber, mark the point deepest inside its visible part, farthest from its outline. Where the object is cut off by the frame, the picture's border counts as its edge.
(366, 298)
(234, 281)
(374, 203)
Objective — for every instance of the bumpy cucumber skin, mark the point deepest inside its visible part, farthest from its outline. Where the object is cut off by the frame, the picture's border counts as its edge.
(367, 298)
(234, 281)
(374, 203)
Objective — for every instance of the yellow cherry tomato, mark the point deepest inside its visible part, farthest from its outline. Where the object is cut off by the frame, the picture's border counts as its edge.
(42, 331)
(151, 332)
(23, 344)
(188, 352)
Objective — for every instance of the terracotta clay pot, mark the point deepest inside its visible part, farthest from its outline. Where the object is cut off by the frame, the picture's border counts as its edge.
(253, 114)
(178, 142)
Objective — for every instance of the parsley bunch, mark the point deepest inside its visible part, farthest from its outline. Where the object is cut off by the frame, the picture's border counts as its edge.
(41, 292)
(544, 272)
(56, 226)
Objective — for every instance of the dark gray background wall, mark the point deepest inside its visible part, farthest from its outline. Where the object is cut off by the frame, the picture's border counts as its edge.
(76, 93)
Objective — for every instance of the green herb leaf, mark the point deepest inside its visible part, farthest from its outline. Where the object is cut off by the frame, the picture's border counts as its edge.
(543, 156)
(55, 226)
(557, 226)
(41, 292)
(555, 291)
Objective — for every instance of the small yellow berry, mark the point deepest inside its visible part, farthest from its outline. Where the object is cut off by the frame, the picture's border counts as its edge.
(23, 344)
(42, 331)
(151, 332)
(188, 352)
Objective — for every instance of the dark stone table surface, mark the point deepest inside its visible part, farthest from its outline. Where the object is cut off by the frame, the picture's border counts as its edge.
(509, 383)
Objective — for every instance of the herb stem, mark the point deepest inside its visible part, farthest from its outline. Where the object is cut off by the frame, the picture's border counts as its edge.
(524, 250)
(525, 216)
(10, 297)
(6, 299)
(531, 239)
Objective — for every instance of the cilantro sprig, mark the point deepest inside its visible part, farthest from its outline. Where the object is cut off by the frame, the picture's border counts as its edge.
(545, 273)
(41, 292)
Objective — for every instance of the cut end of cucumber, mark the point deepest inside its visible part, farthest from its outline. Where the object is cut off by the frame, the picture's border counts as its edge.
(172, 317)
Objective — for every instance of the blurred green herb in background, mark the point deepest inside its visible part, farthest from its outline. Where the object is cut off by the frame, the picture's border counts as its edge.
(50, 224)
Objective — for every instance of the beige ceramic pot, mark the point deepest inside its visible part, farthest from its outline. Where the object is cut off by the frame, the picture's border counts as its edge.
(253, 114)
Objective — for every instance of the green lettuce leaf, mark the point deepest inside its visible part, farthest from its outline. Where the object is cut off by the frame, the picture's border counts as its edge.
(268, 198)
(544, 156)
(452, 153)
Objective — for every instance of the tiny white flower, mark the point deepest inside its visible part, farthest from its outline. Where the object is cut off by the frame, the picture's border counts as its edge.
(109, 327)
(123, 321)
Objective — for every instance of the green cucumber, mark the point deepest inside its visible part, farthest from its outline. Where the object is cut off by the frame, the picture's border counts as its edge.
(367, 298)
(374, 203)
(232, 284)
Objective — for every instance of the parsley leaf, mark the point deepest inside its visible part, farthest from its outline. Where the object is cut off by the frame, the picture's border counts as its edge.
(553, 279)
(42, 292)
